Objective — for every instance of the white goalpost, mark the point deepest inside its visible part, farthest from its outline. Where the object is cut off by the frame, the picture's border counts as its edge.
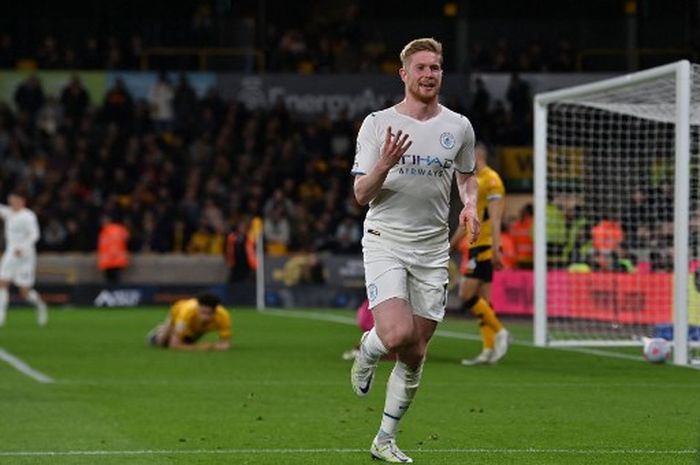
(617, 218)
(260, 272)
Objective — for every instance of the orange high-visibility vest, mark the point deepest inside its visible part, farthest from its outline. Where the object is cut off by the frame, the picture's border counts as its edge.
(508, 257)
(521, 231)
(251, 258)
(607, 236)
(111, 247)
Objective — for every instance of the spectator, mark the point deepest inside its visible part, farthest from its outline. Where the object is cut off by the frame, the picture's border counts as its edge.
(118, 105)
(291, 51)
(115, 59)
(179, 237)
(92, 57)
(564, 60)
(502, 57)
(134, 52)
(521, 232)
(146, 237)
(48, 56)
(29, 97)
(639, 219)
(480, 58)
(160, 97)
(54, 236)
(184, 105)
(348, 235)
(277, 232)
(519, 98)
(112, 255)
(7, 52)
(71, 59)
(75, 100)
(240, 252)
(480, 104)
(556, 233)
(50, 116)
(213, 108)
(607, 244)
(201, 240)
(279, 200)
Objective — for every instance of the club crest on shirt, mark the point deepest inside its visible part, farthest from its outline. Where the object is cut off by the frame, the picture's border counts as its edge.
(447, 140)
(372, 292)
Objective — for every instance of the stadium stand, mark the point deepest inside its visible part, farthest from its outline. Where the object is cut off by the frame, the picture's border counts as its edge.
(182, 169)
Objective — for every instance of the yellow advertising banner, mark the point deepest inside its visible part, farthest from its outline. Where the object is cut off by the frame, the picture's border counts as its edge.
(693, 302)
(564, 163)
(516, 163)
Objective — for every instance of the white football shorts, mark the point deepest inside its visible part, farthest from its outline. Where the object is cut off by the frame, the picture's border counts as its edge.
(18, 270)
(417, 276)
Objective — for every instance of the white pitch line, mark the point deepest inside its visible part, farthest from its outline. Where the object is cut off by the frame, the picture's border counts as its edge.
(317, 316)
(448, 334)
(466, 451)
(602, 353)
(23, 368)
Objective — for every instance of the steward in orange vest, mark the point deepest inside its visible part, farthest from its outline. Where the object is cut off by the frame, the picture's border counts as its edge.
(240, 252)
(112, 254)
(521, 231)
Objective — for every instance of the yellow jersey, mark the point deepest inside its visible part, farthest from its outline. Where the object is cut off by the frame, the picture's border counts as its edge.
(490, 188)
(185, 321)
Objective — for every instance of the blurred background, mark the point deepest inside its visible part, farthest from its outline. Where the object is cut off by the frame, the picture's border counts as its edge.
(203, 126)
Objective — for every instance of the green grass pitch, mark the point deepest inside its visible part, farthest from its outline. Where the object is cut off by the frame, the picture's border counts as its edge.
(281, 395)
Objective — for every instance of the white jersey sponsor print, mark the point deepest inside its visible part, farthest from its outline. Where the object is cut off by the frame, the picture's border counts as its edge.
(413, 204)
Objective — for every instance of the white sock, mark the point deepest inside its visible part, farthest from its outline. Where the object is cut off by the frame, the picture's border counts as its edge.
(400, 391)
(35, 299)
(42, 315)
(4, 299)
(372, 348)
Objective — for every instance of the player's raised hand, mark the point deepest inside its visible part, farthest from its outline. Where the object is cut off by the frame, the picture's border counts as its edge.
(394, 148)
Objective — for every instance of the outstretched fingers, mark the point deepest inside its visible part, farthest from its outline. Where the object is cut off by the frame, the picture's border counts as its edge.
(395, 145)
(403, 144)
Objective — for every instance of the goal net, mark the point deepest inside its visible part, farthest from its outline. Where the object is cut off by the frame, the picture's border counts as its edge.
(617, 165)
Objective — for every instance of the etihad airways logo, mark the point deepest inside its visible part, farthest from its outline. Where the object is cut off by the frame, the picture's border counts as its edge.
(423, 165)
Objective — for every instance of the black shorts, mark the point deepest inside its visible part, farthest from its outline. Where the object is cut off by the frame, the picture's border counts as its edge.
(479, 269)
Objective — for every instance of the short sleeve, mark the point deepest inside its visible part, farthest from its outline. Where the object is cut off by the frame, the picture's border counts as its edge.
(180, 327)
(367, 147)
(494, 188)
(184, 311)
(465, 161)
(223, 323)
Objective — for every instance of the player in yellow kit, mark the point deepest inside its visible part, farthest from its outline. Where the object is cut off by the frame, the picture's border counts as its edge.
(189, 320)
(484, 257)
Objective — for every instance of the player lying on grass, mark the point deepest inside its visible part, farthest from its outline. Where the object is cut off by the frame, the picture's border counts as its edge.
(189, 320)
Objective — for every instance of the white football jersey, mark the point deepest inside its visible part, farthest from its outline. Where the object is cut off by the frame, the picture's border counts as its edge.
(414, 202)
(21, 229)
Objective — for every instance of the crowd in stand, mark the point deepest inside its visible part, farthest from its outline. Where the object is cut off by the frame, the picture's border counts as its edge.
(191, 174)
(179, 171)
(91, 53)
(535, 56)
(291, 50)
